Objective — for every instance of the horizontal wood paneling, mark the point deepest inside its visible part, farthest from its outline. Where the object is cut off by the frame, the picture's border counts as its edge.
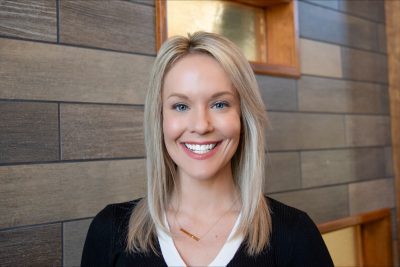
(371, 195)
(372, 9)
(364, 130)
(364, 66)
(389, 171)
(40, 71)
(31, 194)
(320, 59)
(283, 172)
(322, 204)
(382, 38)
(74, 234)
(117, 25)
(332, 95)
(32, 246)
(32, 19)
(278, 93)
(321, 168)
(289, 131)
(101, 131)
(328, 25)
(28, 132)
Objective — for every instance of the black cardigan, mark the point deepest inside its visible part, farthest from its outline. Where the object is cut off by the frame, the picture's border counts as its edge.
(295, 241)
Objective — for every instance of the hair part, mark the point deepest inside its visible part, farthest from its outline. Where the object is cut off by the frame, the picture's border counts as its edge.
(248, 163)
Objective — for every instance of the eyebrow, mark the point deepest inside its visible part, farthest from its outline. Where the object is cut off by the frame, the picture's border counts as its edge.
(213, 96)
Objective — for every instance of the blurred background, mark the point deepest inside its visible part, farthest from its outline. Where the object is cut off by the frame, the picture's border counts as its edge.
(73, 77)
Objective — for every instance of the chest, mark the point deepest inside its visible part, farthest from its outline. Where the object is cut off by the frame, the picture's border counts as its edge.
(202, 252)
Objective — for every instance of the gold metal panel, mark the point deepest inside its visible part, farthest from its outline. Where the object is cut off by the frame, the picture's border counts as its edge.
(244, 25)
(344, 246)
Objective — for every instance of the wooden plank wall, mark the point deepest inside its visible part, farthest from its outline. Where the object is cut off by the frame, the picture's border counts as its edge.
(73, 78)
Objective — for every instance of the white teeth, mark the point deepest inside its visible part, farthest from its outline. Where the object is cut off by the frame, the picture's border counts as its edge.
(200, 149)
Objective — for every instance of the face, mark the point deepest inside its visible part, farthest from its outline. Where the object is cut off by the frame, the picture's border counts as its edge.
(201, 117)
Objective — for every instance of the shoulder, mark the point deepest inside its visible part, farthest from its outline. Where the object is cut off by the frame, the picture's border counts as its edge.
(106, 234)
(287, 219)
(295, 238)
(117, 213)
(286, 216)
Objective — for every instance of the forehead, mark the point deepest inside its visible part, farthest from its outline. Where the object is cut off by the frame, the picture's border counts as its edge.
(194, 71)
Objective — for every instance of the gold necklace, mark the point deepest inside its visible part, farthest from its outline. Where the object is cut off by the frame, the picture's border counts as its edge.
(196, 238)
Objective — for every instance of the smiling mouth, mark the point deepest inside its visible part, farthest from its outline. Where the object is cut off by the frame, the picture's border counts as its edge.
(200, 149)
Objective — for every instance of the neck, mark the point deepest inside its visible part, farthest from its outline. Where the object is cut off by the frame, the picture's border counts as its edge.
(208, 195)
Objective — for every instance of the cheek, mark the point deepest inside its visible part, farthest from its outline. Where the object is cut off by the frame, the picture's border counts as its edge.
(230, 126)
(172, 127)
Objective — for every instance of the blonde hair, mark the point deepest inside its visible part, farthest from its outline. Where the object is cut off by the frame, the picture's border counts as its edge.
(248, 161)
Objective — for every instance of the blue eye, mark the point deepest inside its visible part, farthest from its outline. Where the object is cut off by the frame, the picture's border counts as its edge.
(220, 105)
(180, 107)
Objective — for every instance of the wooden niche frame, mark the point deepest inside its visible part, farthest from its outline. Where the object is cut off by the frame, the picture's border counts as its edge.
(282, 44)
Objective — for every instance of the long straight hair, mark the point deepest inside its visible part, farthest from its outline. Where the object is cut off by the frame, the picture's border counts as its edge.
(247, 164)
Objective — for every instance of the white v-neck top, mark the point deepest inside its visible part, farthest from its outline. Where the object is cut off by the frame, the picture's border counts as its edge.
(173, 258)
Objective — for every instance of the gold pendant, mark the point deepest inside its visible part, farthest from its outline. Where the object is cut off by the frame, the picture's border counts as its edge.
(189, 234)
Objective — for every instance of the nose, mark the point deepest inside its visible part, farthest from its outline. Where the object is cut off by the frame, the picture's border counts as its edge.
(201, 121)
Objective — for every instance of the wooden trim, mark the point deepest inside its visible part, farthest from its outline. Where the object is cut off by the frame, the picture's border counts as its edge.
(374, 236)
(161, 23)
(281, 30)
(392, 14)
(275, 69)
(280, 35)
(354, 220)
(360, 259)
(377, 243)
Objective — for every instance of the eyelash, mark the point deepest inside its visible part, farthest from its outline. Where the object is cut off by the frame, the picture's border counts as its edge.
(177, 107)
(226, 104)
(180, 107)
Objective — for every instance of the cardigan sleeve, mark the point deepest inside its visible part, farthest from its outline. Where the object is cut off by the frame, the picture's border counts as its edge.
(97, 251)
(309, 248)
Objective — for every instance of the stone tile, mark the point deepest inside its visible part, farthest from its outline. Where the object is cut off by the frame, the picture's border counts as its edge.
(74, 234)
(320, 59)
(31, 19)
(364, 66)
(333, 95)
(32, 194)
(31, 246)
(293, 131)
(365, 130)
(101, 131)
(331, 3)
(283, 172)
(320, 168)
(371, 195)
(278, 93)
(370, 9)
(322, 204)
(389, 162)
(117, 25)
(145, 2)
(328, 25)
(28, 132)
(38, 71)
(382, 38)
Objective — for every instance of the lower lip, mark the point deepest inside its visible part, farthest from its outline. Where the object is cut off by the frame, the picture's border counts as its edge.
(207, 155)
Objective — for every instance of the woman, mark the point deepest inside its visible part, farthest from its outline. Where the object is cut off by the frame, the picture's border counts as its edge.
(204, 135)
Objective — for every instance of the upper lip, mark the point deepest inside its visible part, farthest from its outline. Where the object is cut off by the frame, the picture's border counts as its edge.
(200, 143)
